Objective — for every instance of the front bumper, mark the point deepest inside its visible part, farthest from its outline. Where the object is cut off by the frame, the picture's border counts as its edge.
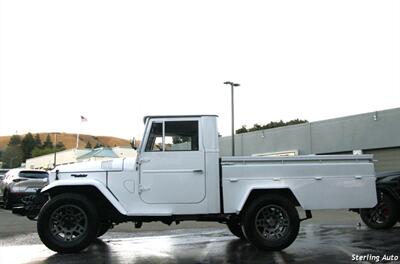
(16, 198)
(31, 205)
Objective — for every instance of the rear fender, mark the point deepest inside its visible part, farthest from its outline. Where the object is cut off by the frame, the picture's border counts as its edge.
(256, 192)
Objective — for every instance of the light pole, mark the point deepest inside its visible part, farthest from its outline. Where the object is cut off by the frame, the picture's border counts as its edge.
(55, 148)
(232, 84)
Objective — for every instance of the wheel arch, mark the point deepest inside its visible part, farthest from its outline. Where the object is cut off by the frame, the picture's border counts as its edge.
(255, 193)
(101, 197)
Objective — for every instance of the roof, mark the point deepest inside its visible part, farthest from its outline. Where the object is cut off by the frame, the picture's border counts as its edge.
(99, 152)
(173, 116)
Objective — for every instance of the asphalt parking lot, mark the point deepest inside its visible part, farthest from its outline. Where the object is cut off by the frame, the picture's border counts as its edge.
(330, 237)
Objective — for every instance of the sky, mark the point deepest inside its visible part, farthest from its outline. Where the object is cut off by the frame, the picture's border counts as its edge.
(114, 62)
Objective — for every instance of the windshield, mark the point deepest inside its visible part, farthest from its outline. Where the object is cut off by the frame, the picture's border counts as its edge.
(33, 174)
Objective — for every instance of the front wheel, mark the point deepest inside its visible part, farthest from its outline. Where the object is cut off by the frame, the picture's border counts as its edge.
(236, 229)
(384, 215)
(68, 223)
(271, 222)
(103, 228)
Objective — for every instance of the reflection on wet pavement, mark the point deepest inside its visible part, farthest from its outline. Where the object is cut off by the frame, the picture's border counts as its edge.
(315, 244)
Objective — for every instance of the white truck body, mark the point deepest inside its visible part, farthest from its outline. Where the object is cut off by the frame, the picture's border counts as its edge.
(187, 182)
(178, 175)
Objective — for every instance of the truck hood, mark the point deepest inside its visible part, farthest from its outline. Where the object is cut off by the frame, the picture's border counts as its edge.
(119, 164)
(87, 166)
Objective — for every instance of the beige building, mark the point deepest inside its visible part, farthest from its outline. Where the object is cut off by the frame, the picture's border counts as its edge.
(79, 155)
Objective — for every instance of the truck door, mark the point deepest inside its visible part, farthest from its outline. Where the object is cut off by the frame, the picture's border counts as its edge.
(172, 163)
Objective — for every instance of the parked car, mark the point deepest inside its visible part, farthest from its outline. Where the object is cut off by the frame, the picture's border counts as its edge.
(387, 212)
(18, 183)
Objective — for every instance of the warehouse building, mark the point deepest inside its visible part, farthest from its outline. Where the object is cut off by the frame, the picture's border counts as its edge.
(376, 133)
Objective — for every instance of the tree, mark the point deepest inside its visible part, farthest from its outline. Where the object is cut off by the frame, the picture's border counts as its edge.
(36, 152)
(38, 141)
(88, 145)
(241, 130)
(60, 146)
(98, 145)
(271, 124)
(47, 143)
(12, 157)
(15, 140)
(27, 145)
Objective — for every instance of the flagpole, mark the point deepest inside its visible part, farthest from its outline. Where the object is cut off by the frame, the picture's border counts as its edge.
(77, 140)
(83, 119)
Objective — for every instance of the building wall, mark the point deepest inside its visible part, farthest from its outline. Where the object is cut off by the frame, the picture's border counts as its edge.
(386, 159)
(123, 152)
(375, 132)
(47, 161)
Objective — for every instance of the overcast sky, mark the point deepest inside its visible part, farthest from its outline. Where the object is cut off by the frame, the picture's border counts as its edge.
(116, 61)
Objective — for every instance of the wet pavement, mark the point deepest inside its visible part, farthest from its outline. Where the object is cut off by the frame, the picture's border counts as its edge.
(315, 244)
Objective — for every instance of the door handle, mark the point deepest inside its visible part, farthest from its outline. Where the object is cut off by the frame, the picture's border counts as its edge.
(142, 189)
(198, 171)
(143, 161)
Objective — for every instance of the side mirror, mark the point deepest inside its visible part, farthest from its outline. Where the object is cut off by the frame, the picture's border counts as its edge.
(134, 144)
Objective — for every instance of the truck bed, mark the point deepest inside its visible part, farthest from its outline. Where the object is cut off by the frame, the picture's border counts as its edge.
(317, 181)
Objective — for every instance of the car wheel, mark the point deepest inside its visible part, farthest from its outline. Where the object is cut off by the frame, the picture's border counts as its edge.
(271, 222)
(103, 228)
(384, 215)
(236, 229)
(6, 200)
(68, 223)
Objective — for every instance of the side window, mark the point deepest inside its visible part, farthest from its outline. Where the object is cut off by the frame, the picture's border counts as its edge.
(155, 142)
(181, 136)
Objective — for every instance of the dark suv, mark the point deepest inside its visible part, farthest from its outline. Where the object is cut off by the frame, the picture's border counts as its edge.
(387, 212)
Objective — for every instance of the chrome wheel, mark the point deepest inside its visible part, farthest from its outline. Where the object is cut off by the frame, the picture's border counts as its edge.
(272, 222)
(68, 223)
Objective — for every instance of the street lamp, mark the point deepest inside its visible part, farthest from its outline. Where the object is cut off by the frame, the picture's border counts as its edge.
(55, 148)
(233, 114)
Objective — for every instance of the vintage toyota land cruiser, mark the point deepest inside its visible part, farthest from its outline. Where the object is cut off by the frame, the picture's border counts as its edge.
(179, 175)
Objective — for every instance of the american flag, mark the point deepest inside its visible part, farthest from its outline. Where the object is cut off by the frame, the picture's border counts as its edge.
(83, 119)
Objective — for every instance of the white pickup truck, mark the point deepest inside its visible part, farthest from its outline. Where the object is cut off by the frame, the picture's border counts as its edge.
(179, 175)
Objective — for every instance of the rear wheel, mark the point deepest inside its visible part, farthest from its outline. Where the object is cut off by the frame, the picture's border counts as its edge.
(271, 222)
(68, 223)
(236, 229)
(384, 215)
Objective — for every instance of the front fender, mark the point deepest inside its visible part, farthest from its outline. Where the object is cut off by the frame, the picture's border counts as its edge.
(87, 182)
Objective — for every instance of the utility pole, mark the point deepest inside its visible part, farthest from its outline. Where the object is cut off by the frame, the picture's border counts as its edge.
(55, 149)
(233, 113)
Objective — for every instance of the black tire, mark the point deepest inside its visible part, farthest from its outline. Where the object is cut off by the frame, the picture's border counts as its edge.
(7, 201)
(271, 222)
(103, 228)
(236, 229)
(68, 223)
(384, 215)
